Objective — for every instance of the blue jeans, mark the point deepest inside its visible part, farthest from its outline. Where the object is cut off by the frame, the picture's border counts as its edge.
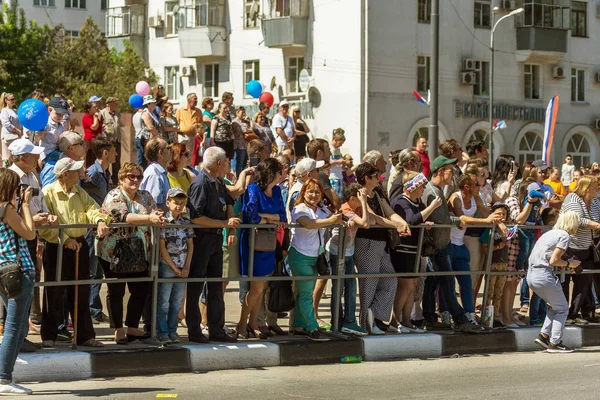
(537, 309)
(348, 290)
(526, 243)
(139, 149)
(96, 272)
(15, 327)
(240, 161)
(441, 263)
(460, 258)
(170, 298)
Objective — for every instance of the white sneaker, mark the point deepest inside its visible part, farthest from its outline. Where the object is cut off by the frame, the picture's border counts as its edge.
(446, 318)
(13, 388)
(472, 318)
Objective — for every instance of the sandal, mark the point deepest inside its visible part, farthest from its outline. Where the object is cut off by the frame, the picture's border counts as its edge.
(92, 343)
(122, 341)
(276, 329)
(324, 325)
(182, 323)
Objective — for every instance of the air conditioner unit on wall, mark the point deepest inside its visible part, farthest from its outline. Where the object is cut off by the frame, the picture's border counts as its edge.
(597, 124)
(558, 72)
(155, 22)
(468, 78)
(187, 70)
(468, 64)
(508, 4)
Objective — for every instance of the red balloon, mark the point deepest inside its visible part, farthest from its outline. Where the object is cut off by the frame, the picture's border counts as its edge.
(267, 97)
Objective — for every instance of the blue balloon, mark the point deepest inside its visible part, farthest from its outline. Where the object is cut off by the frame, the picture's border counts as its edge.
(136, 101)
(33, 115)
(254, 89)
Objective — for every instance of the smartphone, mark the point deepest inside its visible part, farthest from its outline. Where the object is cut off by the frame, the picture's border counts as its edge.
(512, 166)
(254, 161)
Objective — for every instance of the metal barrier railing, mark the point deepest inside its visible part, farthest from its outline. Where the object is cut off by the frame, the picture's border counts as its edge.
(339, 277)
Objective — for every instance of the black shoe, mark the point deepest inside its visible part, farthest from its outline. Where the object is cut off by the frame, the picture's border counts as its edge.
(419, 323)
(542, 341)
(200, 338)
(64, 336)
(558, 348)
(276, 329)
(282, 315)
(498, 324)
(223, 337)
(28, 347)
(100, 318)
(468, 327)
(133, 338)
(593, 320)
(316, 336)
(299, 332)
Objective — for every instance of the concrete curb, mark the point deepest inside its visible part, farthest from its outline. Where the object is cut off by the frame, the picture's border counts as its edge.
(66, 365)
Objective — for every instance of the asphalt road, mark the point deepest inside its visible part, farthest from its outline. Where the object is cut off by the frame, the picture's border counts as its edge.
(499, 376)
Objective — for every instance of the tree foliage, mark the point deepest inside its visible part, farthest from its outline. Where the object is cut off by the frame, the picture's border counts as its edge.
(79, 67)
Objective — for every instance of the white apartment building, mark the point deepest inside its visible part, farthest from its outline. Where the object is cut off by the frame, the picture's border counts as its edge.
(364, 58)
(71, 13)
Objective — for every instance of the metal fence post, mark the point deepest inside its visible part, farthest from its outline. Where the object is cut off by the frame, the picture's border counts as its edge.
(419, 250)
(59, 256)
(339, 278)
(251, 239)
(154, 260)
(488, 268)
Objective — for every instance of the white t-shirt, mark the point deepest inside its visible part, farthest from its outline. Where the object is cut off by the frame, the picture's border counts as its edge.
(306, 241)
(566, 175)
(336, 170)
(288, 128)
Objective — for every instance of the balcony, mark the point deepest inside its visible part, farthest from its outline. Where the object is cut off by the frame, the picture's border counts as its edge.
(536, 38)
(126, 23)
(543, 29)
(286, 24)
(202, 30)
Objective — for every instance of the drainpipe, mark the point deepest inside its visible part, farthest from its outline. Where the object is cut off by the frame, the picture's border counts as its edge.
(365, 77)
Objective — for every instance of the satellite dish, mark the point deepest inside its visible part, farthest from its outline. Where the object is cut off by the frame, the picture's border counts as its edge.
(273, 83)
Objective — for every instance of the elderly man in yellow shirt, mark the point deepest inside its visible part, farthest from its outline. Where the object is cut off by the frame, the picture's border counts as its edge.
(188, 118)
(72, 205)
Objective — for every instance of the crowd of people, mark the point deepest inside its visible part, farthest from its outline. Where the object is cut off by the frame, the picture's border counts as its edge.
(215, 168)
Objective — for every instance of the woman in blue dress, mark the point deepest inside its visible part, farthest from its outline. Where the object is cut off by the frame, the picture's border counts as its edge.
(262, 204)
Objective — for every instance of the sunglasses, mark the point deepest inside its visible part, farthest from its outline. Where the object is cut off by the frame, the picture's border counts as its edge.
(134, 177)
(11, 99)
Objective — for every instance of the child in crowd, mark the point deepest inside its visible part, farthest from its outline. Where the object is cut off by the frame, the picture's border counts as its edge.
(336, 176)
(354, 206)
(176, 248)
(499, 261)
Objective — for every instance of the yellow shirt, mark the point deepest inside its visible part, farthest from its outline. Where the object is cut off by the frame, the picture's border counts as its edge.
(76, 207)
(188, 119)
(558, 187)
(184, 181)
(572, 186)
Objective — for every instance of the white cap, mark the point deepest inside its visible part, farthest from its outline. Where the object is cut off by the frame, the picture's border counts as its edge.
(67, 164)
(149, 99)
(24, 146)
(306, 165)
(283, 103)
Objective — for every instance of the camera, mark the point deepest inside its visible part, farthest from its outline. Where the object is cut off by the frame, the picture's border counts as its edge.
(579, 268)
(34, 191)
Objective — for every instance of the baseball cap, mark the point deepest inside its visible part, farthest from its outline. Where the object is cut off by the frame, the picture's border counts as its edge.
(24, 146)
(111, 100)
(149, 99)
(67, 164)
(59, 105)
(68, 138)
(284, 103)
(94, 98)
(541, 164)
(440, 162)
(306, 165)
(174, 192)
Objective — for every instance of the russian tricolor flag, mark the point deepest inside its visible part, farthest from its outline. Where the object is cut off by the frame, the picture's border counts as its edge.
(551, 114)
(420, 98)
(499, 125)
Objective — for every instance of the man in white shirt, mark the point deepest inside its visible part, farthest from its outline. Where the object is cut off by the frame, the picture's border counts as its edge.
(283, 127)
(568, 169)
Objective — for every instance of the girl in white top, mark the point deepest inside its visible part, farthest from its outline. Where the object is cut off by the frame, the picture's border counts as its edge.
(11, 127)
(307, 244)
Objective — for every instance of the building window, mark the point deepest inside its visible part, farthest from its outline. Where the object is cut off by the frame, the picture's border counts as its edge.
(579, 147)
(75, 4)
(480, 134)
(211, 80)
(103, 4)
(424, 11)
(532, 81)
(546, 13)
(423, 73)
(170, 19)
(295, 65)
(421, 133)
(251, 72)
(579, 19)
(172, 82)
(482, 72)
(202, 13)
(530, 147)
(44, 3)
(577, 84)
(71, 35)
(251, 13)
(482, 13)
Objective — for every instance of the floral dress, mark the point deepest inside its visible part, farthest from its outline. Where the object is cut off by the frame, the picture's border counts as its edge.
(170, 122)
(118, 205)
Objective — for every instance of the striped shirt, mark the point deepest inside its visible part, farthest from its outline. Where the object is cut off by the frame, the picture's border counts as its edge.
(583, 237)
(8, 248)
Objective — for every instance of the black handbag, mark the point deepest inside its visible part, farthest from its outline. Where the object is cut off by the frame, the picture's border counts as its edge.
(322, 262)
(129, 256)
(11, 274)
(392, 239)
(280, 296)
(428, 249)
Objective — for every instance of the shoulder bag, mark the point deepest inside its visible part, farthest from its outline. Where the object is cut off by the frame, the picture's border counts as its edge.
(322, 263)
(392, 239)
(265, 239)
(129, 255)
(280, 296)
(11, 274)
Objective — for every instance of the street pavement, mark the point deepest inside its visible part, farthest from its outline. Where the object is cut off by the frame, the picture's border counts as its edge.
(499, 376)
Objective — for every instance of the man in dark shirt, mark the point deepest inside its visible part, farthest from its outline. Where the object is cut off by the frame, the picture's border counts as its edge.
(211, 207)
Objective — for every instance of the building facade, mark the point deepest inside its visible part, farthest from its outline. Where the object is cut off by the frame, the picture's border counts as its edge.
(70, 13)
(355, 63)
